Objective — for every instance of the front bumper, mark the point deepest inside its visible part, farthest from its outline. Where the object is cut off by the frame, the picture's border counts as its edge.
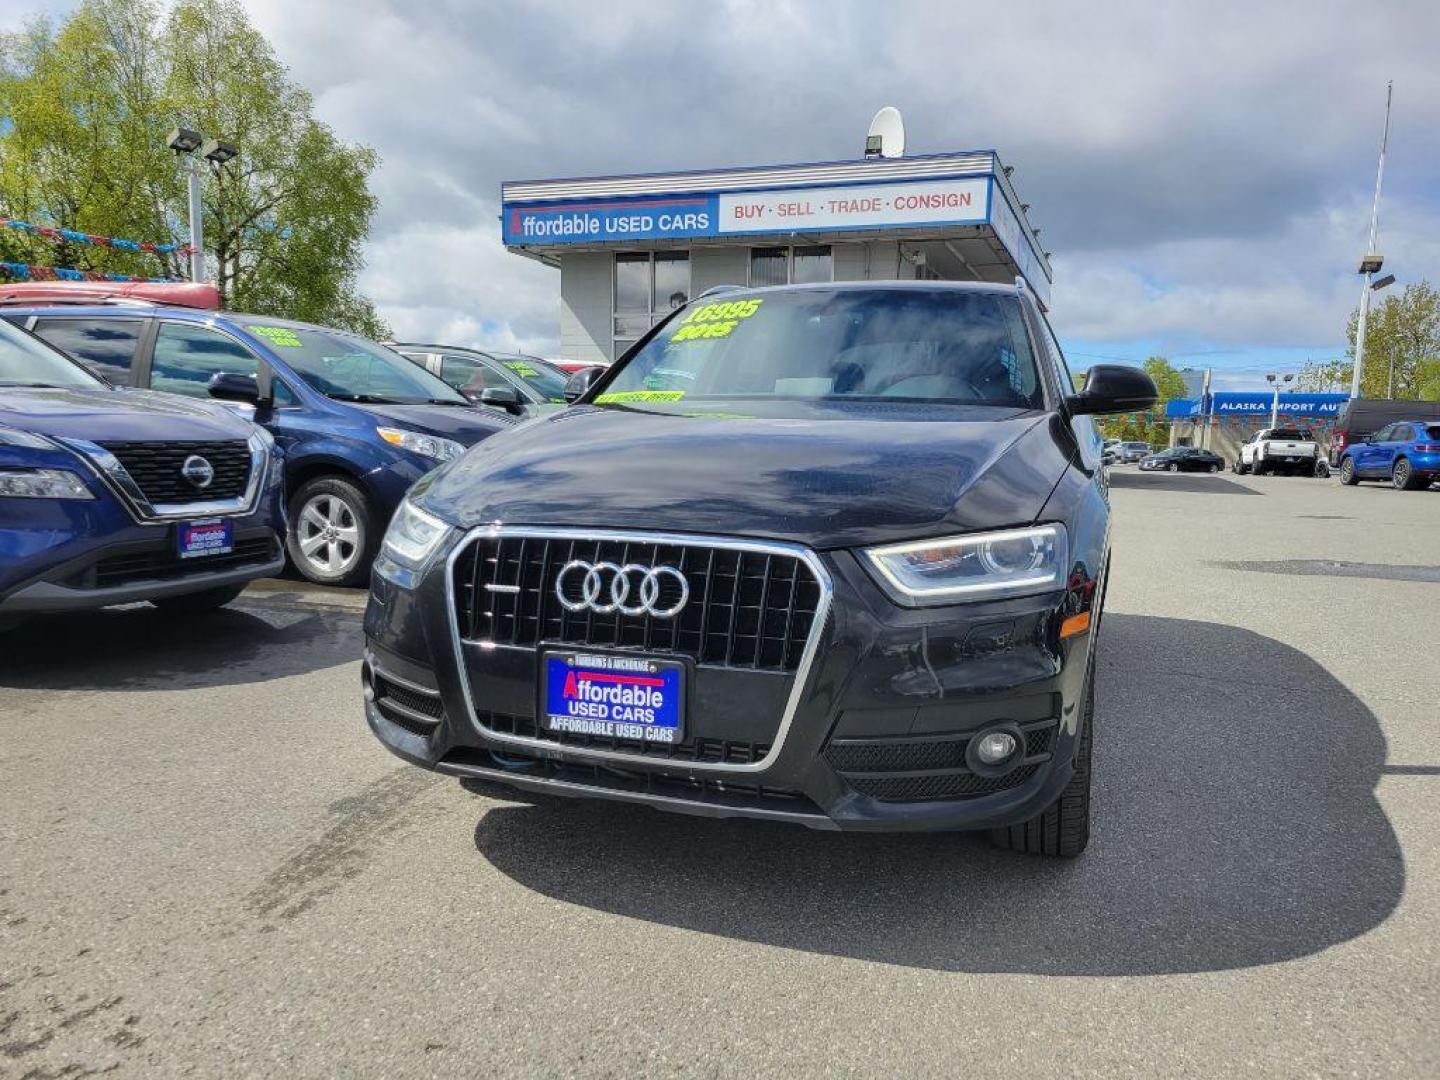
(73, 555)
(877, 725)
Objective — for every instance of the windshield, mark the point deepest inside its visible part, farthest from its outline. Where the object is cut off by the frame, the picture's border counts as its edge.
(350, 368)
(28, 361)
(544, 379)
(886, 344)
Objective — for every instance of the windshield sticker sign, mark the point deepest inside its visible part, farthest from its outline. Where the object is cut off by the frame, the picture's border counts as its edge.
(622, 397)
(714, 320)
(524, 370)
(278, 335)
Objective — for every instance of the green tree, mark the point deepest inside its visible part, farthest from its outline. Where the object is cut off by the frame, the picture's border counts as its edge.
(90, 104)
(1402, 349)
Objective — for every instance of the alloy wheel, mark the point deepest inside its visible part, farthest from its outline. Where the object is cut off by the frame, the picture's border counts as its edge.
(328, 534)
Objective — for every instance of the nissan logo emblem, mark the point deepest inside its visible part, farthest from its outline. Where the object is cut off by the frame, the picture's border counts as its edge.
(198, 471)
(604, 587)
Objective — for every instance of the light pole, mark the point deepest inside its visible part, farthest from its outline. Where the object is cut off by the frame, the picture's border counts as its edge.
(185, 142)
(1275, 381)
(1371, 263)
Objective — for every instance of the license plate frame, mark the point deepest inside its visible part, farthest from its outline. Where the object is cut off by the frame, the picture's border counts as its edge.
(620, 695)
(205, 538)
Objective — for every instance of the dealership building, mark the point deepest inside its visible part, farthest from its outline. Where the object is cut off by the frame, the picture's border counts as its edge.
(630, 249)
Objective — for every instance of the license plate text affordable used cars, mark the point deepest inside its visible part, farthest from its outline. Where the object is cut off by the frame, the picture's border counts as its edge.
(618, 697)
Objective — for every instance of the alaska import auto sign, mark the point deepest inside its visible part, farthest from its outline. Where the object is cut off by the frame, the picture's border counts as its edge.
(782, 210)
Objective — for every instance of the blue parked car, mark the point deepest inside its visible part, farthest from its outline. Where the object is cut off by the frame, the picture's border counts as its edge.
(1407, 453)
(112, 496)
(357, 422)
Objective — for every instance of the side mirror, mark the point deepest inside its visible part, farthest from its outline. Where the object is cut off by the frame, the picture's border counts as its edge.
(502, 397)
(232, 386)
(1114, 388)
(581, 381)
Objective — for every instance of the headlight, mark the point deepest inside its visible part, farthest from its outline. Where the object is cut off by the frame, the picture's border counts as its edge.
(42, 484)
(413, 536)
(984, 566)
(430, 446)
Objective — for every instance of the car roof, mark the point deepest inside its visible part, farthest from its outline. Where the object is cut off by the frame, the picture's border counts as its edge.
(179, 314)
(883, 286)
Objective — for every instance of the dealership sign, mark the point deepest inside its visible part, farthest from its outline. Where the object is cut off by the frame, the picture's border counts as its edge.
(1243, 404)
(782, 210)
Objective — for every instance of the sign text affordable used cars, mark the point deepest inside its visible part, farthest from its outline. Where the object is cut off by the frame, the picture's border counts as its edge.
(963, 201)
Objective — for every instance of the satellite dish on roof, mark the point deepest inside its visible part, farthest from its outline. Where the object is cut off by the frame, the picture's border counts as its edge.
(886, 138)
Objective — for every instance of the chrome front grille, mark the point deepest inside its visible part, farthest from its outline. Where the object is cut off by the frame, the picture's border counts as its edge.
(748, 607)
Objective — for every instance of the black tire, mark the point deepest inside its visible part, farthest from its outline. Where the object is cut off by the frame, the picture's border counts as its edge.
(197, 603)
(1214, 468)
(1347, 472)
(1173, 467)
(349, 510)
(1062, 829)
(1404, 477)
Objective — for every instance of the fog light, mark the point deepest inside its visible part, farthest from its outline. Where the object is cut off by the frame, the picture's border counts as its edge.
(995, 747)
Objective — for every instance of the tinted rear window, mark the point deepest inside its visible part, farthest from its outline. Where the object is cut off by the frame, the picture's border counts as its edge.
(105, 346)
(1300, 434)
(1432, 431)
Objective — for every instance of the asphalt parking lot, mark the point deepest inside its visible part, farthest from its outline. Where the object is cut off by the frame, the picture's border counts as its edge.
(208, 866)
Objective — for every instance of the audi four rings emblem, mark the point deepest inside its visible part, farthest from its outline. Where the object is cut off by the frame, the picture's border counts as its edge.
(606, 579)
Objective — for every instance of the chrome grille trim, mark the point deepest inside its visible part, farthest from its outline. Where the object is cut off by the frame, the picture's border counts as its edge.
(800, 677)
(107, 467)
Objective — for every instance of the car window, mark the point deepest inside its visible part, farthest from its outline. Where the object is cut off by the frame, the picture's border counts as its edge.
(469, 374)
(347, 367)
(283, 396)
(1383, 435)
(1293, 434)
(106, 346)
(1432, 431)
(1402, 433)
(28, 361)
(186, 356)
(934, 346)
(547, 381)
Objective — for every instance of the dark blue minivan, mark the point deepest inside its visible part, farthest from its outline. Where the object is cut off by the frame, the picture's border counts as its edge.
(114, 496)
(358, 423)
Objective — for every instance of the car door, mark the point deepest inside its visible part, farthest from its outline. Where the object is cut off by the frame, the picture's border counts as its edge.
(1401, 436)
(1369, 454)
(107, 346)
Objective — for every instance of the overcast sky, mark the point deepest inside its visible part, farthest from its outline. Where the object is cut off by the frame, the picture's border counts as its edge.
(1203, 174)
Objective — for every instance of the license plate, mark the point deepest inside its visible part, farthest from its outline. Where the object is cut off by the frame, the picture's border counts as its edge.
(612, 696)
(196, 539)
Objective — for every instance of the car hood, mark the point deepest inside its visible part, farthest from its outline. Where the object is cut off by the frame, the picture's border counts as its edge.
(466, 425)
(822, 474)
(103, 414)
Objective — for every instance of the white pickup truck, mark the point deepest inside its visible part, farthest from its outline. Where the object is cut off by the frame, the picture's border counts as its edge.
(1283, 449)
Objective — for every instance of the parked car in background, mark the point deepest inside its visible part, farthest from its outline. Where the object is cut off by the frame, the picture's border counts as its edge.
(519, 384)
(358, 423)
(570, 367)
(1131, 452)
(113, 497)
(1362, 417)
(1283, 449)
(1183, 459)
(1406, 453)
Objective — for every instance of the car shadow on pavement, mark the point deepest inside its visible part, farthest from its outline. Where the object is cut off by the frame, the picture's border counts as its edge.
(1201, 483)
(140, 648)
(1236, 824)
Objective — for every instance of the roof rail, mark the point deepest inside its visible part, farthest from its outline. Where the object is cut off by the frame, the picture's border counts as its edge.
(716, 290)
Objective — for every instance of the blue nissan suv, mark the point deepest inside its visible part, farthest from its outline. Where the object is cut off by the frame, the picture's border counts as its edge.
(111, 496)
(358, 423)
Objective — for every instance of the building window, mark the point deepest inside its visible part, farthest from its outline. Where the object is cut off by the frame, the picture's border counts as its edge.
(648, 286)
(790, 265)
